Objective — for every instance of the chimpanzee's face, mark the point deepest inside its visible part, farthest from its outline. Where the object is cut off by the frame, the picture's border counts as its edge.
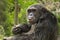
(32, 15)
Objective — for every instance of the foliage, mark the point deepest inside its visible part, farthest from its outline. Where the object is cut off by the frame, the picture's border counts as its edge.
(2, 12)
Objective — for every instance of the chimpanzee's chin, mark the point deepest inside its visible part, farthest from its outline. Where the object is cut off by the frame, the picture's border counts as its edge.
(31, 22)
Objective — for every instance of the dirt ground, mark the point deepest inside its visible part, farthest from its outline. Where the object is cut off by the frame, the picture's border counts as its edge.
(58, 37)
(10, 38)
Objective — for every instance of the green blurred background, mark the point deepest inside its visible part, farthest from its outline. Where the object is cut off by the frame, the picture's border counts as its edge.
(7, 11)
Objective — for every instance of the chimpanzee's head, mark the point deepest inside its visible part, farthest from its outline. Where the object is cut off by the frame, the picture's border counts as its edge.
(33, 13)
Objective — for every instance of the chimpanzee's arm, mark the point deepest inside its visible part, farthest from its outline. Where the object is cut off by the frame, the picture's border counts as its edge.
(23, 28)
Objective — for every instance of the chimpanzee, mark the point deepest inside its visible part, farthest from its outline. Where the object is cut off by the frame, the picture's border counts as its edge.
(42, 25)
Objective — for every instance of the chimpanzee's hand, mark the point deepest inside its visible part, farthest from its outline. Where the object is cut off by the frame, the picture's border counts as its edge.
(16, 29)
(21, 28)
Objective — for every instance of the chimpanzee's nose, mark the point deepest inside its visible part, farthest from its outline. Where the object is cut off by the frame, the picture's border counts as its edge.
(29, 17)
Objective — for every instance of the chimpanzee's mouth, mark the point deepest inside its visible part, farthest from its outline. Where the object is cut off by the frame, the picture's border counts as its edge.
(31, 21)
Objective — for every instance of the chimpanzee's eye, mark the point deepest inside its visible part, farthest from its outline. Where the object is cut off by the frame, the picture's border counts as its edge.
(29, 11)
(33, 10)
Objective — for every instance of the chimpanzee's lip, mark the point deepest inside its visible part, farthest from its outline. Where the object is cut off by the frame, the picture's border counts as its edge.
(31, 22)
